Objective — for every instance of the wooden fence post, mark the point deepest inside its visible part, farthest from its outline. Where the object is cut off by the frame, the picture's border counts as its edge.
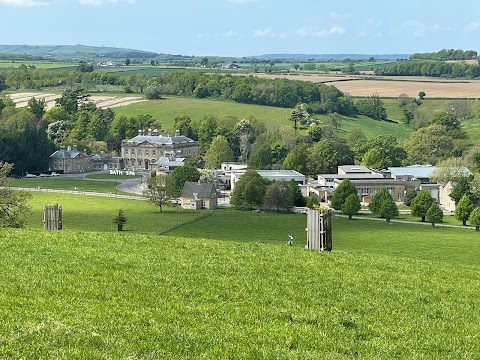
(319, 229)
(52, 217)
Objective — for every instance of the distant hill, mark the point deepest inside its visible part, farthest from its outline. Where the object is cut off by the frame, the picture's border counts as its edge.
(76, 52)
(85, 52)
(326, 57)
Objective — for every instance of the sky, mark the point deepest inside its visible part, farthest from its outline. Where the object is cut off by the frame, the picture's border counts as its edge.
(245, 27)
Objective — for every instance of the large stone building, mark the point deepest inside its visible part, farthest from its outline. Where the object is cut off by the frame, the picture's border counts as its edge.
(69, 161)
(148, 147)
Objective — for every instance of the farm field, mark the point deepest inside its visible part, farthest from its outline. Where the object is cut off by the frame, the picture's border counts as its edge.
(105, 101)
(49, 65)
(120, 295)
(359, 85)
(169, 107)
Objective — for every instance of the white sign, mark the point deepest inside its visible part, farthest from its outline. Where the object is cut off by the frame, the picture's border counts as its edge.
(121, 172)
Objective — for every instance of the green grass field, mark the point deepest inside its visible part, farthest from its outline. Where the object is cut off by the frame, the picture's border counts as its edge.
(38, 64)
(227, 286)
(72, 184)
(91, 213)
(109, 295)
(168, 108)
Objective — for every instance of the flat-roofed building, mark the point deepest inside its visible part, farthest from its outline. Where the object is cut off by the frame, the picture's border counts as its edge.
(272, 175)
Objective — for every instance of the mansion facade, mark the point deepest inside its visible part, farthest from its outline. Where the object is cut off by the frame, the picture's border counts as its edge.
(143, 150)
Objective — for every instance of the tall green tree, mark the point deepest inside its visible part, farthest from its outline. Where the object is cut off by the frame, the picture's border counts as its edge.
(218, 152)
(383, 205)
(278, 197)
(13, 203)
(296, 159)
(249, 191)
(429, 145)
(410, 194)
(463, 209)
(157, 190)
(434, 214)
(37, 107)
(325, 156)
(463, 187)
(296, 193)
(179, 177)
(343, 190)
(420, 205)
(351, 206)
(260, 156)
(475, 218)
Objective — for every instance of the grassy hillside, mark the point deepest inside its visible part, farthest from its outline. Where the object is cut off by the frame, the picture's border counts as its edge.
(91, 213)
(93, 295)
(76, 52)
(168, 108)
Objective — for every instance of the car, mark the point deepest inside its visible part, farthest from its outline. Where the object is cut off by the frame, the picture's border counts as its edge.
(55, 174)
(44, 175)
(30, 176)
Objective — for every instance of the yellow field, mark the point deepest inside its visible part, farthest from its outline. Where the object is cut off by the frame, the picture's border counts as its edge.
(388, 86)
(21, 100)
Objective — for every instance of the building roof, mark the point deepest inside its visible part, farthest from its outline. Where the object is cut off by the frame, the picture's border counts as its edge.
(159, 140)
(359, 176)
(165, 160)
(67, 154)
(279, 173)
(354, 169)
(416, 171)
(202, 190)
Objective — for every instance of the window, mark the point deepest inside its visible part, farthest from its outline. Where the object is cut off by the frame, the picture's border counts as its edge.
(139, 152)
(146, 153)
(132, 152)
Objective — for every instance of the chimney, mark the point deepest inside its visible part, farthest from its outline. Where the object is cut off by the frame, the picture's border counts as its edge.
(177, 132)
(140, 132)
(149, 132)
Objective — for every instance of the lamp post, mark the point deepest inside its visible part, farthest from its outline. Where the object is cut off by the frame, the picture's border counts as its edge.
(176, 203)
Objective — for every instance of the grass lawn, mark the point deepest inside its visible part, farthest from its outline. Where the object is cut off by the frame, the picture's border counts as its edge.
(113, 295)
(170, 107)
(73, 184)
(227, 286)
(91, 213)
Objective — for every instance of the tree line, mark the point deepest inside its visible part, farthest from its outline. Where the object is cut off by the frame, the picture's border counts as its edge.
(431, 68)
(446, 55)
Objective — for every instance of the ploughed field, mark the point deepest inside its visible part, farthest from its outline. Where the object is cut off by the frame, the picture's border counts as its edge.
(21, 99)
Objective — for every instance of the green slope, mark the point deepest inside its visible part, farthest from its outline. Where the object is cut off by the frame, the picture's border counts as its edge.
(90, 295)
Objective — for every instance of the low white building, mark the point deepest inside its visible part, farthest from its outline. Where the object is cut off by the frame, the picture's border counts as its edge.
(272, 175)
(166, 164)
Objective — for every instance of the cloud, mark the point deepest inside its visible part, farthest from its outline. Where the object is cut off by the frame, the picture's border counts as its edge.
(473, 26)
(339, 16)
(23, 3)
(314, 31)
(232, 34)
(337, 30)
(267, 33)
(105, 2)
(420, 29)
(311, 31)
